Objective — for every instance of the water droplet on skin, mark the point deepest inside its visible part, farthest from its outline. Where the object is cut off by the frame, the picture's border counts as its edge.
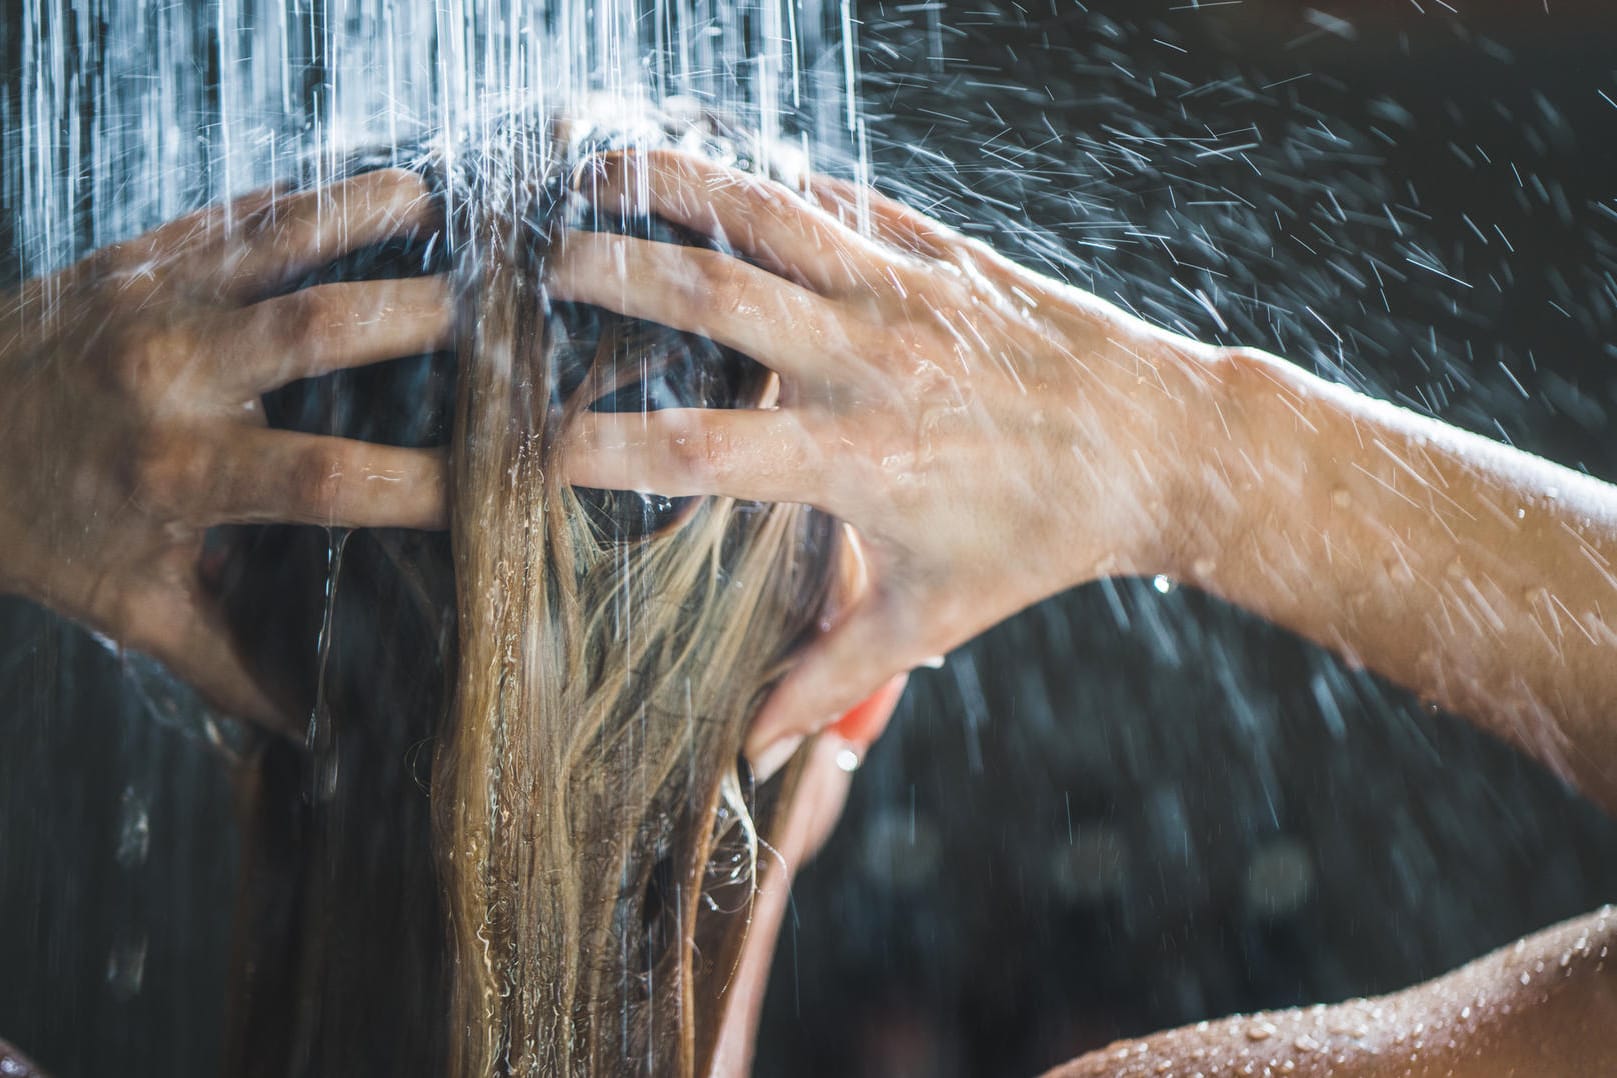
(1397, 571)
(1260, 1032)
(1163, 583)
(1526, 978)
(1521, 513)
(1552, 493)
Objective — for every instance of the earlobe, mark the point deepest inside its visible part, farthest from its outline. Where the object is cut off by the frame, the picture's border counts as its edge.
(864, 722)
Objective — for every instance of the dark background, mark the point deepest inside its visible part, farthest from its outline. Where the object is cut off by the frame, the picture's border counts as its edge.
(1124, 809)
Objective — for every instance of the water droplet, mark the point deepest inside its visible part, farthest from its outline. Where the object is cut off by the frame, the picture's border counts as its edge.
(848, 760)
(134, 829)
(1163, 583)
(126, 967)
(1262, 1031)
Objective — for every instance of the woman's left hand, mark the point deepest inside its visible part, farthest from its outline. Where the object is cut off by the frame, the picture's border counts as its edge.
(993, 436)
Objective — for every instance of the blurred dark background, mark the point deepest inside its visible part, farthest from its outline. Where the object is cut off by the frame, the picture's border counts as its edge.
(1126, 810)
(1131, 807)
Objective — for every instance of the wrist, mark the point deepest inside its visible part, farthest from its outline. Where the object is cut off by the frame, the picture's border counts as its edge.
(1205, 494)
(1144, 435)
(1173, 511)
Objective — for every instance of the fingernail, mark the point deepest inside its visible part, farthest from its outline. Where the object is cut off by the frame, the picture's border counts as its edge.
(774, 756)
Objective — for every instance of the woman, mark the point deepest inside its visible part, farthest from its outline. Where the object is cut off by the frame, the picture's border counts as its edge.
(582, 665)
(952, 406)
(569, 672)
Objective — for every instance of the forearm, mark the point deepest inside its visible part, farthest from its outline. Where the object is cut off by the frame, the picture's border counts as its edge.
(1476, 575)
(1544, 1006)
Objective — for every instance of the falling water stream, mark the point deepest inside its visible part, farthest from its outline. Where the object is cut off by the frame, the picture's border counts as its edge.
(1130, 807)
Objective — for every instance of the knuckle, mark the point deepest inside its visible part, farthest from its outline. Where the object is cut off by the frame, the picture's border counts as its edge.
(316, 482)
(717, 283)
(168, 473)
(697, 450)
(140, 359)
(303, 317)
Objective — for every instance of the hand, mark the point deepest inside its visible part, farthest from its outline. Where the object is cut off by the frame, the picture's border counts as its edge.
(993, 436)
(130, 420)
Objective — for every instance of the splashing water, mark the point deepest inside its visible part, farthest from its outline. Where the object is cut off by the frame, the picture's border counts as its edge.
(130, 112)
(1416, 209)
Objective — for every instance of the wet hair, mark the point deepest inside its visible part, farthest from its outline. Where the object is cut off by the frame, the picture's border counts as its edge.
(519, 838)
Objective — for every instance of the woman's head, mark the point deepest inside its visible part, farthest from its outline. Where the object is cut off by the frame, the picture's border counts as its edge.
(577, 666)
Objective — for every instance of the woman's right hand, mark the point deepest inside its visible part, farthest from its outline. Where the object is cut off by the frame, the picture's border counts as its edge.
(993, 436)
(130, 420)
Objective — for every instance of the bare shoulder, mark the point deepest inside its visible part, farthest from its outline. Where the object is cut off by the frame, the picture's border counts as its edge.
(1544, 1005)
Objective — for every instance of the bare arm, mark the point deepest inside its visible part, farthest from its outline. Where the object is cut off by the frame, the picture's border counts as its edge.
(1479, 576)
(1543, 1006)
(996, 437)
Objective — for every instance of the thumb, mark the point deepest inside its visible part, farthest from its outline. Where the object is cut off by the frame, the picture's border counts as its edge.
(184, 629)
(868, 647)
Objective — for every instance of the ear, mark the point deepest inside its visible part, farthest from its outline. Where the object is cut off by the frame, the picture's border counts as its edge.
(865, 721)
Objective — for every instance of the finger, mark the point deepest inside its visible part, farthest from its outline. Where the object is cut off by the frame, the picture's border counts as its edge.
(871, 645)
(265, 476)
(329, 327)
(210, 222)
(173, 246)
(781, 325)
(300, 233)
(759, 217)
(861, 207)
(752, 454)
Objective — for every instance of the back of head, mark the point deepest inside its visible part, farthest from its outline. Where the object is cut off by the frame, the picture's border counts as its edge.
(578, 667)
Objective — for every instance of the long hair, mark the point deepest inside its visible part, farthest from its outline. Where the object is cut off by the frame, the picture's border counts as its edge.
(578, 666)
